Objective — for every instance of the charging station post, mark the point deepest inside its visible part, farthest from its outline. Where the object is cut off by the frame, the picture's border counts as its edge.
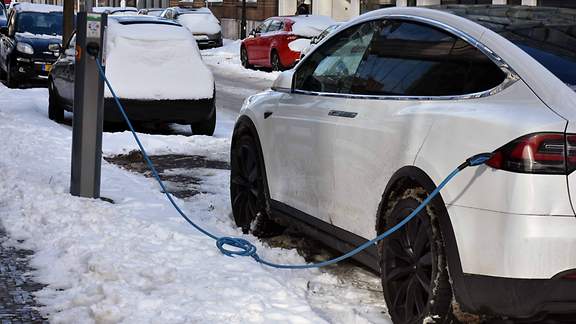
(88, 105)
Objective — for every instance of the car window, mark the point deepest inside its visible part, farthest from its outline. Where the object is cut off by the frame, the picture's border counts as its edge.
(39, 23)
(414, 59)
(331, 68)
(275, 25)
(263, 26)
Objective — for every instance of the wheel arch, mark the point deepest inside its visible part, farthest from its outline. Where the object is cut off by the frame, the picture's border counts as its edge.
(409, 177)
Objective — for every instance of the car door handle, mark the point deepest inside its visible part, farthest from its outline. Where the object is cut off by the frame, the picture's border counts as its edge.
(340, 113)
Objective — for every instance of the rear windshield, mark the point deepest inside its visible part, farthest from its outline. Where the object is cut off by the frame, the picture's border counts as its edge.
(40, 23)
(546, 34)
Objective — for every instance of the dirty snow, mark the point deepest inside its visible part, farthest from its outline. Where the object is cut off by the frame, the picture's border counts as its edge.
(200, 23)
(136, 261)
(152, 61)
(227, 59)
(310, 25)
(41, 36)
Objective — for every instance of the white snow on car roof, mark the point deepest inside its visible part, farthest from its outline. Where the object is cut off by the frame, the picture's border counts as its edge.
(310, 25)
(155, 61)
(200, 23)
(34, 7)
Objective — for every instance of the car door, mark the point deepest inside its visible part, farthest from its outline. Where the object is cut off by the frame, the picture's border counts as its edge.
(255, 45)
(302, 124)
(269, 37)
(6, 43)
(63, 72)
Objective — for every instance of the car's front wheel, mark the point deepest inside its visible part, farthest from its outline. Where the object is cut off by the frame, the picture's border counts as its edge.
(55, 112)
(248, 189)
(413, 263)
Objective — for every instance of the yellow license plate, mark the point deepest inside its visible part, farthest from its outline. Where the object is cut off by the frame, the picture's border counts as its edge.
(47, 67)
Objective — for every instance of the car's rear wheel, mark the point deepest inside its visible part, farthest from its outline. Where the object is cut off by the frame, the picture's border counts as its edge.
(55, 112)
(413, 263)
(244, 58)
(205, 127)
(248, 189)
(275, 61)
(10, 82)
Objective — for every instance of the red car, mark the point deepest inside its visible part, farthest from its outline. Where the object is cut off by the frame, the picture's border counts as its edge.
(268, 44)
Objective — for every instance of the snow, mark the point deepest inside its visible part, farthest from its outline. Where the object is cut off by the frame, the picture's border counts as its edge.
(136, 261)
(30, 35)
(155, 61)
(200, 23)
(227, 59)
(34, 7)
(112, 9)
(572, 86)
(310, 25)
(299, 45)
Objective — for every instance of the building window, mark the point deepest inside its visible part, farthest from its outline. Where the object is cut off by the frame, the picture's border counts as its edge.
(515, 2)
(369, 5)
(466, 1)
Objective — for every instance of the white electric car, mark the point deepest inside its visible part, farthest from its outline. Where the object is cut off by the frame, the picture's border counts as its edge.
(352, 139)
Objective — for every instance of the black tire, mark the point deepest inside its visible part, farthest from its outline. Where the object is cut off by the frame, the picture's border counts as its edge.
(248, 189)
(55, 111)
(10, 82)
(244, 58)
(205, 127)
(275, 61)
(413, 263)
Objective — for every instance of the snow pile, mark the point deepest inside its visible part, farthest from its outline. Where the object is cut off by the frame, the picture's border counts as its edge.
(34, 7)
(310, 26)
(155, 61)
(136, 261)
(200, 23)
(227, 59)
(126, 10)
(40, 36)
(299, 45)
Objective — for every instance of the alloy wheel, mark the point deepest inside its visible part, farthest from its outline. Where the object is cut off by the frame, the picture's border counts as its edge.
(408, 272)
(246, 184)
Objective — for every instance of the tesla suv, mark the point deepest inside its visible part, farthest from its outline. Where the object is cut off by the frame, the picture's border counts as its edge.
(156, 70)
(353, 139)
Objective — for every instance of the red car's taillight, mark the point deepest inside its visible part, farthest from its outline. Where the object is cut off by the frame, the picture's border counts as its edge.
(291, 38)
(539, 153)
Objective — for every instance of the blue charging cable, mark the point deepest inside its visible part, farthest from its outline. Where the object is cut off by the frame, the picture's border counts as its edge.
(235, 246)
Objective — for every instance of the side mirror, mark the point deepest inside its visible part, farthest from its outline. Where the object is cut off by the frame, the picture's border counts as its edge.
(4, 30)
(54, 47)
(284, 81)
(70, 52)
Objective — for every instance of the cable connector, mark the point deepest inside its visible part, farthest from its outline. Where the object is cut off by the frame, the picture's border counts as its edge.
(475, 160)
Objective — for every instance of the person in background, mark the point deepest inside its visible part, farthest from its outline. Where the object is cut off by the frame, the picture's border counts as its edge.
(303, 8)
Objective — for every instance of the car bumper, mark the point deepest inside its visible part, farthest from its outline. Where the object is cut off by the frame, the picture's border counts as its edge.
(25, 69)
(169, 111)
(509, 263)
(205, 41)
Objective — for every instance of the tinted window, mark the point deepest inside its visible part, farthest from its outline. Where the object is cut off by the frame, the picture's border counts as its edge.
(331, 68)
(546, 34)
(39, 23)
(263, 26)
(412, 59)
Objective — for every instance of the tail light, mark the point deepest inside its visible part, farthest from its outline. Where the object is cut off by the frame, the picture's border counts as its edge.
(291, 38)
(539, 153)
(570, 276)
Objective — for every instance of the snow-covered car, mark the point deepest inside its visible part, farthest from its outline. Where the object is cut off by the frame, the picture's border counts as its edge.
(355, 137)
(117, 11)
(157, 12)
(156, 70)
(29, 44)
(200, 22)
(277, 42)
(315, 40)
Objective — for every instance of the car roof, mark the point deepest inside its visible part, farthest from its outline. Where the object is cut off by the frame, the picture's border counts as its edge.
(143, 19)
(550, 89)
(35, 7)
